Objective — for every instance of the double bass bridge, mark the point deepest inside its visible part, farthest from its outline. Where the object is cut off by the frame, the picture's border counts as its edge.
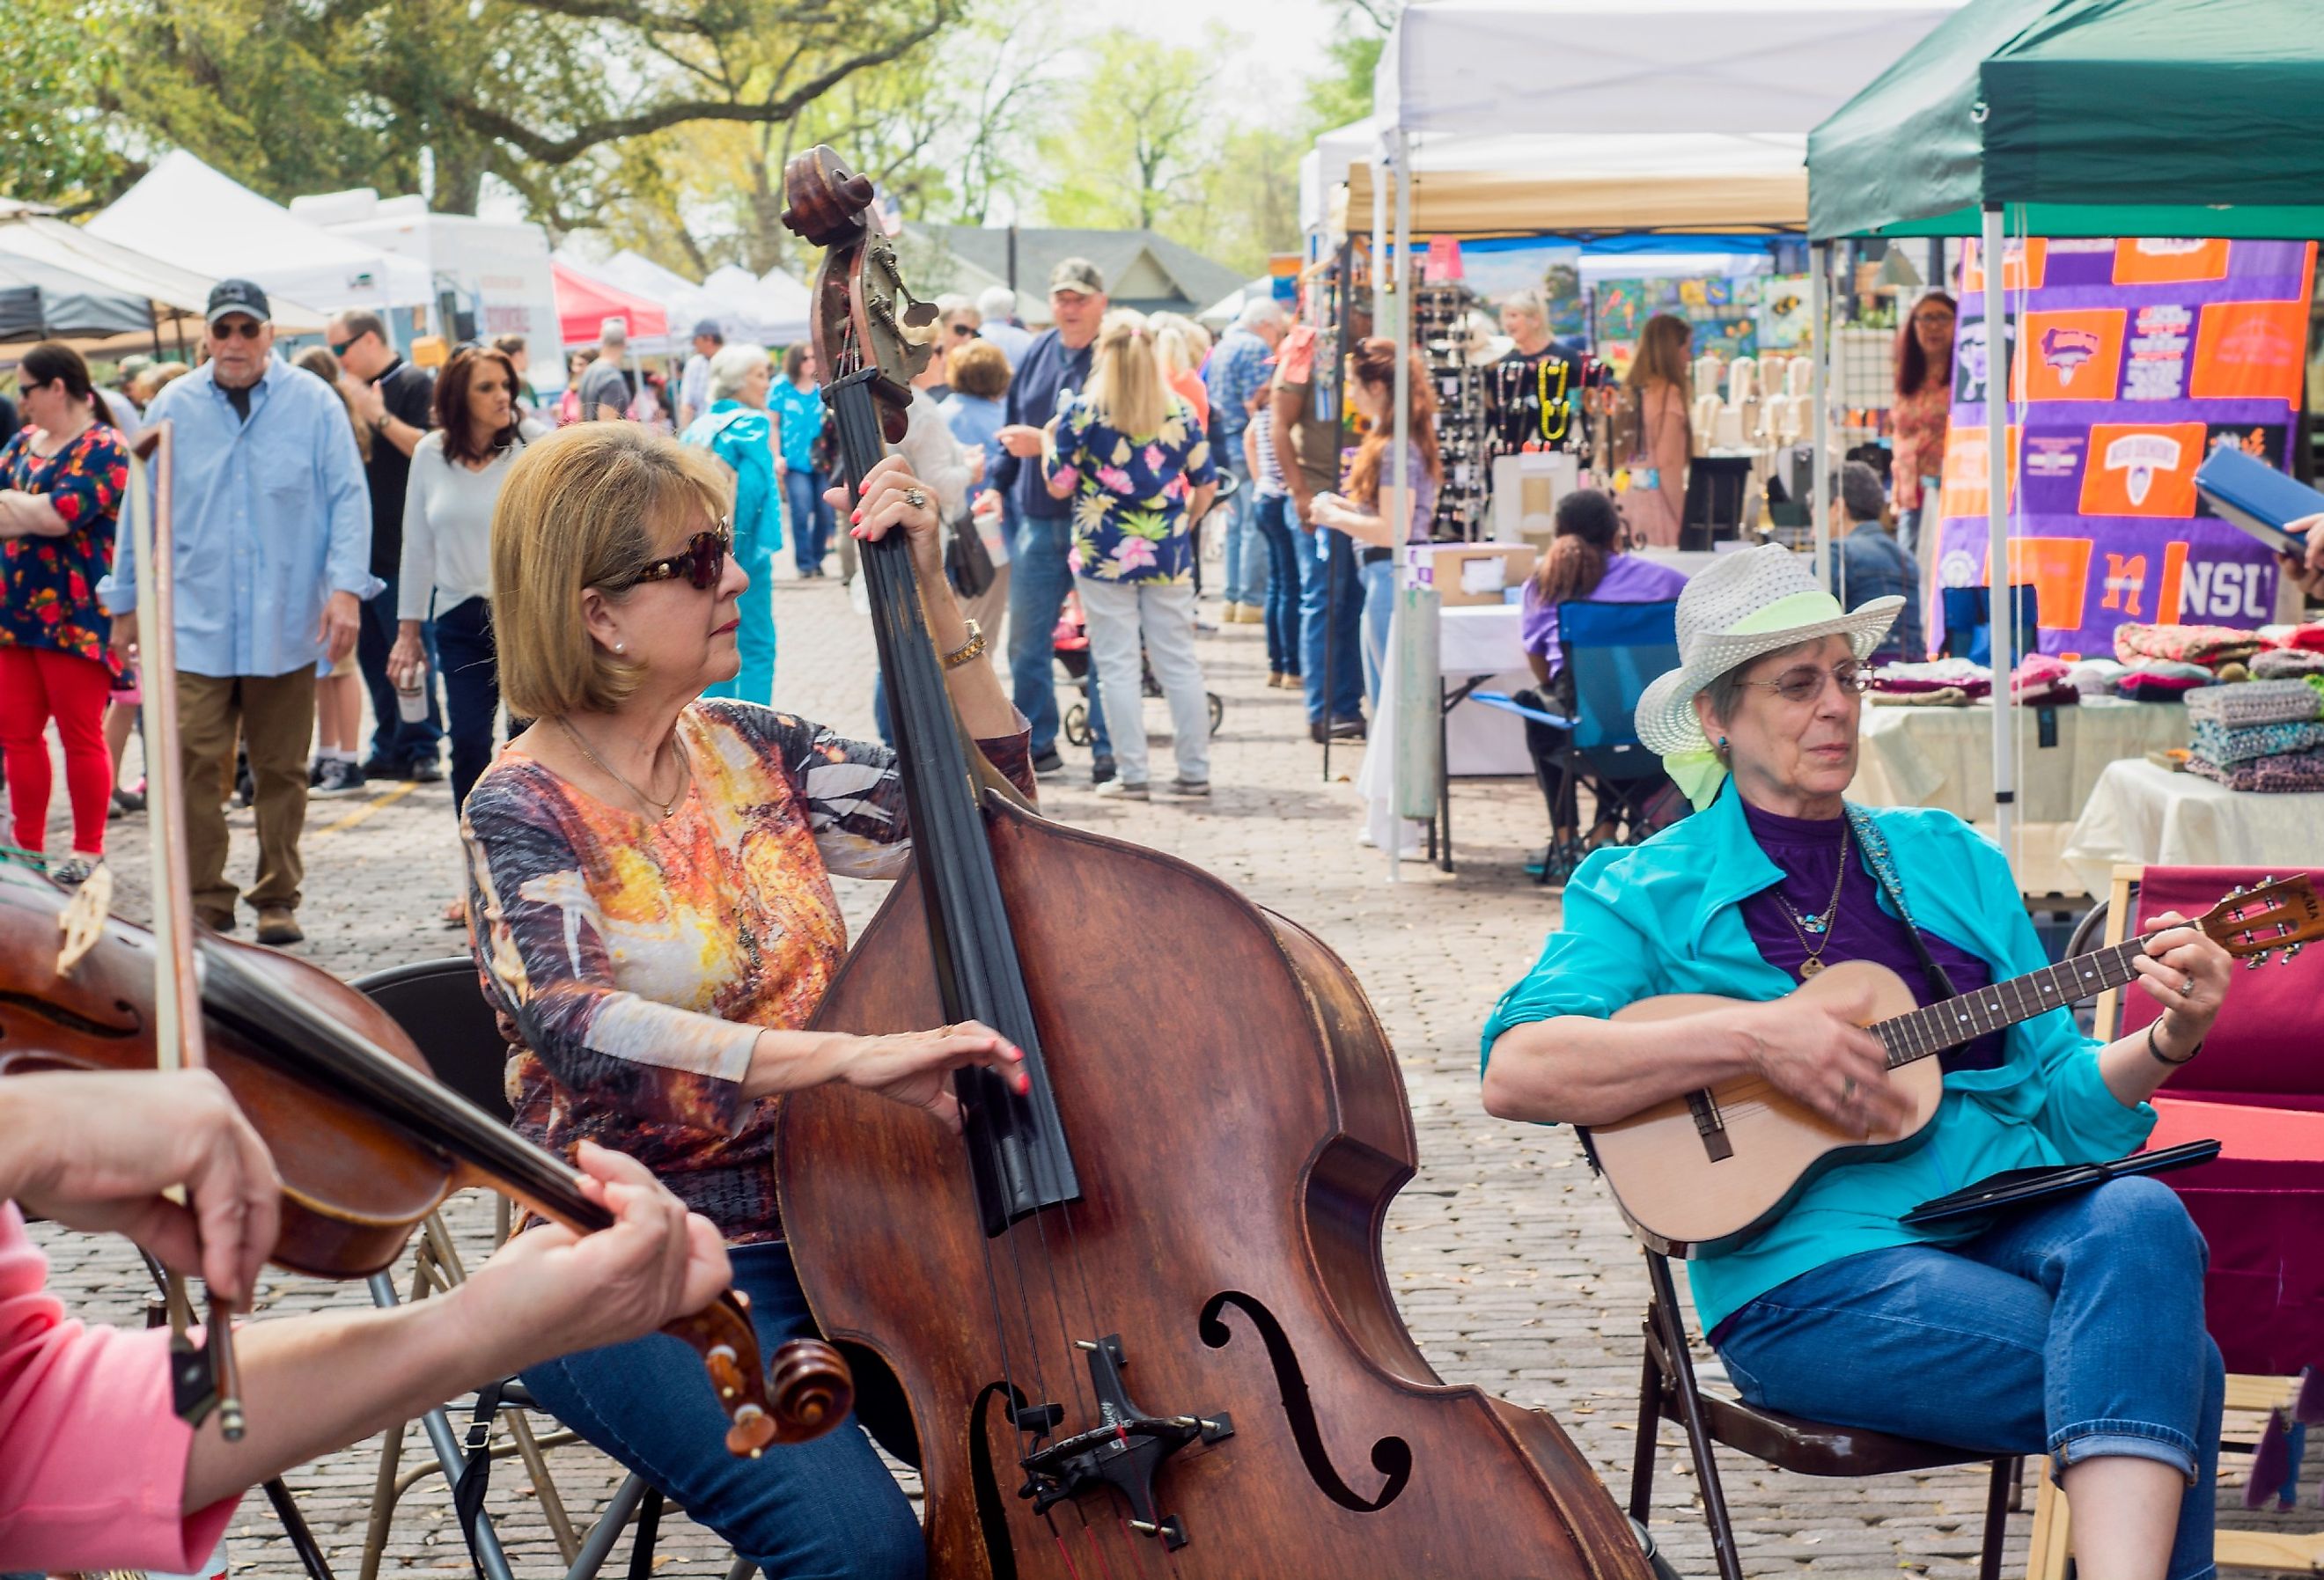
(1123, 1454)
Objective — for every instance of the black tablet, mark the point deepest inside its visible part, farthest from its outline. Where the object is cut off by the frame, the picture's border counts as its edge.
(2017, 1187)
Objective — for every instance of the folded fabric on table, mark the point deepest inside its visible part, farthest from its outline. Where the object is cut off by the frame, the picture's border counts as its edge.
(2285, 775)
(1941, 697)
(2040, 681)
(2158, 681)
(2255, 702)
(2225, 744)
(1972, 680)
(2096, 677)
(2194, 644)
(2287, 663)
(2309, 636)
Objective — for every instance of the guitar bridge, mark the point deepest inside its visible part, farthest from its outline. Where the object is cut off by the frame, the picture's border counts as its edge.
(1710, 1126)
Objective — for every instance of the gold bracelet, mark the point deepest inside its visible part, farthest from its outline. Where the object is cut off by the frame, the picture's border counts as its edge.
(967, 652)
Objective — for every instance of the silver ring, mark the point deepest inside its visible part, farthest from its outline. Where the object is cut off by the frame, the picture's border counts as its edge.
(2187, 987)
(916, 499)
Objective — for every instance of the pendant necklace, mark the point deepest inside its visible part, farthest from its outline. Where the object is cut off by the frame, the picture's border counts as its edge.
(1817, 925)
(661, 809)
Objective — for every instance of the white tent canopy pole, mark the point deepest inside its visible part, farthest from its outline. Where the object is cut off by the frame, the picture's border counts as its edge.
(1399, 512)
(1818, 356)
(2001, 603)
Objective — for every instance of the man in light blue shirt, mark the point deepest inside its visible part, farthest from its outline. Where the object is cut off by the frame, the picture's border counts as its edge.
(1240, 366)
(272, 526)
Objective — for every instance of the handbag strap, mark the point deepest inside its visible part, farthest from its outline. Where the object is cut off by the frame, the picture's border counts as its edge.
(1875, 845)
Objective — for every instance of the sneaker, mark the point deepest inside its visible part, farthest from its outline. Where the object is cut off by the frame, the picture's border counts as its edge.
(341, 776)
(1121, 789)
(1317, 730)
(314, 770)
(1101, 770)
(74, 870)
(424, 771)
(278, 925)
(246, 789)
(1347, 729)
(1190, 787)
(1049, 762)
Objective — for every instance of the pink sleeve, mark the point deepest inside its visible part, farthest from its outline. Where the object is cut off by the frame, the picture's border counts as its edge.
(92, 1462)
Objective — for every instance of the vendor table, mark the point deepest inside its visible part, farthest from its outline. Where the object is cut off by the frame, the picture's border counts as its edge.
(2142, 813)
(1943, 757)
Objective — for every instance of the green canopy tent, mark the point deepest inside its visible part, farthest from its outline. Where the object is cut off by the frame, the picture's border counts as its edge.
(2073, 118)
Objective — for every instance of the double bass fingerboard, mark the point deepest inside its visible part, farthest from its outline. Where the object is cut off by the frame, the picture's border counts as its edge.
(1955, 1021)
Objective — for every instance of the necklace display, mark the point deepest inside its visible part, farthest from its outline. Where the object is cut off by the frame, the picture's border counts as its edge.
(661, 809)
(1818, 925)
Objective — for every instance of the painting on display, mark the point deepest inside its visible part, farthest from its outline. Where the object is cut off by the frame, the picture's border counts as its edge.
(1722, 311)
(2131, 360)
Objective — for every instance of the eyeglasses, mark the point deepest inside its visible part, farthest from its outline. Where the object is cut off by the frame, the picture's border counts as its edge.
(1805, 684)
(701, 561)
(228, 328)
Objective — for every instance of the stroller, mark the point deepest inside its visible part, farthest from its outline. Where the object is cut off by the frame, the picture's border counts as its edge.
(1070, 645)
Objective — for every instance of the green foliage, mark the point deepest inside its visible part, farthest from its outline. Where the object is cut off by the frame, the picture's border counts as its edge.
(57, 60)
(1344, 93)
(1132, 148)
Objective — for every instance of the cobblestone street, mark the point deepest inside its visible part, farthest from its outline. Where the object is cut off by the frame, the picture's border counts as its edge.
(1514, 1270)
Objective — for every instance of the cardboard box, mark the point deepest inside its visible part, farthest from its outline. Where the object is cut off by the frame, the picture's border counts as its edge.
(1475, 573)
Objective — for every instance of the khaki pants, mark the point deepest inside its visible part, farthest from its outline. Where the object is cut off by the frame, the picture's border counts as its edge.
(275, 715)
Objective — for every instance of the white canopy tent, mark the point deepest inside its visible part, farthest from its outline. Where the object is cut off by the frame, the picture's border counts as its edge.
(183, 210)
(768, 309)
(767, 312)
(1474, 102)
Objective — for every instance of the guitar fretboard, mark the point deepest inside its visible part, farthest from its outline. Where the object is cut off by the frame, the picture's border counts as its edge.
(1956, 1021)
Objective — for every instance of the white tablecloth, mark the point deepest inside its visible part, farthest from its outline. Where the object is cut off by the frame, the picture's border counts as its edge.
(2146, 813)
(1943, 757)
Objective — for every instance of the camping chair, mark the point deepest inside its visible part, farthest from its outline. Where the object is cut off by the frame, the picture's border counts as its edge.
(1804, 1448)
(2259, 1090)
(442, 1005)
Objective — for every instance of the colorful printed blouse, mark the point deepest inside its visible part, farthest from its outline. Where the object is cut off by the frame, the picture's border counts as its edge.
(1921, 419)
(1129, 496)
(633, 963)
(51, 582)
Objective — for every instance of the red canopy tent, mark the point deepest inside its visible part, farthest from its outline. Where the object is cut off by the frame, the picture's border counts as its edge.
(584, 304)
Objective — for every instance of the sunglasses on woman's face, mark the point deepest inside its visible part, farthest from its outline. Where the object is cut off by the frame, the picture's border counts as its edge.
(700, 562)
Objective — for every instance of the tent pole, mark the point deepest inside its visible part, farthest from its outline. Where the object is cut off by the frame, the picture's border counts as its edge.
(1380, 165)
(1399, 514)
(2001, 601)
(1820, 355)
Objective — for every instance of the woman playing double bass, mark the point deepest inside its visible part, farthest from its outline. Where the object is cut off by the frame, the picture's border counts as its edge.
(649, 883)
(2074, 1329)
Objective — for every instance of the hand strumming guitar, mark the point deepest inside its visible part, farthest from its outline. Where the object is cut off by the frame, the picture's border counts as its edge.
(1816, 1052)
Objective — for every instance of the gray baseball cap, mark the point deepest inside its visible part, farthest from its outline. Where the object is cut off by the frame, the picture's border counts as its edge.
(236, 296)
(1078, 275)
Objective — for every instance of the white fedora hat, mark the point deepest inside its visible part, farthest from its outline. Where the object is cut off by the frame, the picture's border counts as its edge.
(1743, 604)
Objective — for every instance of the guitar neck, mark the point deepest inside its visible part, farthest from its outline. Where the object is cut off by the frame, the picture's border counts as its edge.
(1956, 1021)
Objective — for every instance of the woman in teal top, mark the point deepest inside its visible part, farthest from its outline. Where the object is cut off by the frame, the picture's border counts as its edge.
(2075, 1328)
(797, 402)
(736, 430)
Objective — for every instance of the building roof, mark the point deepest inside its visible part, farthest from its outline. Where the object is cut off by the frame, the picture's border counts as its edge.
(1142, 269)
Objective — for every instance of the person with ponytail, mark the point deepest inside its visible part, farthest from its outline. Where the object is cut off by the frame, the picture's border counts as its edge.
(1585, 561)
(1662, 434)
(61, 479)
(1362, 514)
(1134, 461)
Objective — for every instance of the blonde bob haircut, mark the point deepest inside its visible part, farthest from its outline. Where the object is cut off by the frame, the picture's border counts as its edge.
(587, 506)
(1126, 389)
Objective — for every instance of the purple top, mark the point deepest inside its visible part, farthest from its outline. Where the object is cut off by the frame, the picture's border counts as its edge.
(1630, 579)
(1808, 851)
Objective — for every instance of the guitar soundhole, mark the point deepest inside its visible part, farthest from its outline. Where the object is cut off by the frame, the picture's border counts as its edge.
(1391, 1456)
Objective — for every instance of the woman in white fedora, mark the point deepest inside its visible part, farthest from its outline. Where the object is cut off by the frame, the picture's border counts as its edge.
(2074, 1329)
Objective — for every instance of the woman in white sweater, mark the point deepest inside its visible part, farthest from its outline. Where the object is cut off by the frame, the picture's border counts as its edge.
(456, 474)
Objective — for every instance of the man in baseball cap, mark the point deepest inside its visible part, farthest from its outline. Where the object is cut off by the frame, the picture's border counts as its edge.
(694, 384)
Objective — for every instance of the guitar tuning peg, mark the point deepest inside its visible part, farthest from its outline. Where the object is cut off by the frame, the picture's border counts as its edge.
(2253, 962)
(2291, 952)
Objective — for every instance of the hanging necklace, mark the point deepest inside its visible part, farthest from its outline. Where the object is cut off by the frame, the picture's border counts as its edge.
(1818, 925)
(661, 809)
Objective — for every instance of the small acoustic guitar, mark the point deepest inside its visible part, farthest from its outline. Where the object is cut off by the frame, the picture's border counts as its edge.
(1707, 1170)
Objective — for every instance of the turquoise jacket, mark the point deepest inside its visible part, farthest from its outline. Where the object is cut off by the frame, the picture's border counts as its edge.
(741, 437)
(1664, 917)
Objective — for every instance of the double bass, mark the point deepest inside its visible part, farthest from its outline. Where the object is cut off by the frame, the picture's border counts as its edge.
(1134, 1321)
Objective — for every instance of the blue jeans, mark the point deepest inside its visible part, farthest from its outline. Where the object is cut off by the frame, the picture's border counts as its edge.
(1279, 609)
(1379, 605)
(1041, 576)
(1244, 551)
(811, 518)
(395, 744)
(2074, 1329)
(826, 1509)
(754, 639)
(1329, 586)
(472, 689)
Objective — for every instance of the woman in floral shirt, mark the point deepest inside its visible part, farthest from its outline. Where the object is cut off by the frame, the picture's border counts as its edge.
(61, 482)
(650, 900)
(1131, 457)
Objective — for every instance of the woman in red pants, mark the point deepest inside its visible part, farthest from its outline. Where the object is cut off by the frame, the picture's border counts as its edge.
(61, 483)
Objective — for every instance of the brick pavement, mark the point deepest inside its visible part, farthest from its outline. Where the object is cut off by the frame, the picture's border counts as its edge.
(1513, 1269)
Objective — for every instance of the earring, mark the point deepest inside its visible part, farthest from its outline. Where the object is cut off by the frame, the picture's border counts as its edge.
(1722, 744)
(623, 647)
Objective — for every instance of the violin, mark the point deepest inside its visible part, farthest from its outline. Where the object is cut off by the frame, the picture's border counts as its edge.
(1134, 1319)
(368, 1143)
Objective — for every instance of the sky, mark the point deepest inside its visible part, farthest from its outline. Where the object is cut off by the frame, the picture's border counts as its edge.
(1291, 31)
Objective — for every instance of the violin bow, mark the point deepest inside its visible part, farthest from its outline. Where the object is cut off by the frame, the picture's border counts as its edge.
(204, 1379)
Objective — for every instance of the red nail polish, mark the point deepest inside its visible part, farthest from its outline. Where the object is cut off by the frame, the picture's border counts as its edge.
(856, 515)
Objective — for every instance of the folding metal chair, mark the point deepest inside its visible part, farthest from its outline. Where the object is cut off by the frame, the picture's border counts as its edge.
(441, 1004)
